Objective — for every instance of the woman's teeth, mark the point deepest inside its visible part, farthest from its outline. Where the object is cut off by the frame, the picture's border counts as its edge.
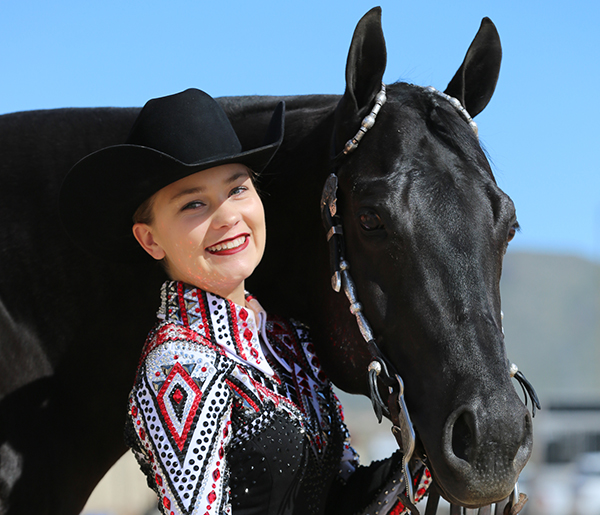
(227, 245)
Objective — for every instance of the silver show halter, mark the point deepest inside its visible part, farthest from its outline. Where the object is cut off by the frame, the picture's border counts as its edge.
(402, 427)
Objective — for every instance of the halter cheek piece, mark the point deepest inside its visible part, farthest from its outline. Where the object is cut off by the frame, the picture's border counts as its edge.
(402, 427)
(380, 366)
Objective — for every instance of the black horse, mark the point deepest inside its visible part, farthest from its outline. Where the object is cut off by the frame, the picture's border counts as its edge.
(426, 228)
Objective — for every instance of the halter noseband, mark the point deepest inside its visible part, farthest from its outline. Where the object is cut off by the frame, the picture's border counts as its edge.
(380, 366)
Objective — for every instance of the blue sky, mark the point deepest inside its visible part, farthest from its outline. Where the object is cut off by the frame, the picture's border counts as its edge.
(540, 129)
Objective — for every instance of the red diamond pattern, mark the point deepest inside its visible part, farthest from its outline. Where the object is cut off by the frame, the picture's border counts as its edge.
(178, 396)
(178, 373)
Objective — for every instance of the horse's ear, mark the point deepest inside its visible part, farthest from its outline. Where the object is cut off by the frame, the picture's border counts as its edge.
(364, 71)
(475, 81)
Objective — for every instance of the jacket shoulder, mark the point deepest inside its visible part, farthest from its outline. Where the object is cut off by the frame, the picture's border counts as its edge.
(169, 332)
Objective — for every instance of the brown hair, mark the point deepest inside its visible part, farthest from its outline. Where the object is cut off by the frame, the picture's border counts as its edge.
(144, 213)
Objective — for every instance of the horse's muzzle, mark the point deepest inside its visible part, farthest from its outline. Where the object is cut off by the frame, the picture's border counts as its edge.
(484, 448)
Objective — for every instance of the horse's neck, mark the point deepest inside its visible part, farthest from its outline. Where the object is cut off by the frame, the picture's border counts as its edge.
(251, 114)
(292, 187)
(266, 103)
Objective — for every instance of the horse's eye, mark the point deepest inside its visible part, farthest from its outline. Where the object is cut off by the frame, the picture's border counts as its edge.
(369, 220)
(512, 231)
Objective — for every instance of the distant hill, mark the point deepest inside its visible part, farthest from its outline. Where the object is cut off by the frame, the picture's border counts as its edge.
(551, 306)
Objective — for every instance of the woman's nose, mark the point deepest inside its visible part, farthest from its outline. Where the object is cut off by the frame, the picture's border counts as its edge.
(226, 215)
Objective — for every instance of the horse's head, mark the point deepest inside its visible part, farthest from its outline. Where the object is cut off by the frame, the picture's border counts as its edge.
(426, 228)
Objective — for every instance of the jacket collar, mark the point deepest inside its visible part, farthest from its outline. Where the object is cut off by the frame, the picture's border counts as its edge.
(232, 327)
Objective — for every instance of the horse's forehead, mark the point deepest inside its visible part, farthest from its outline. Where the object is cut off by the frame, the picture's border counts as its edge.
(406, 103)
(414, 182)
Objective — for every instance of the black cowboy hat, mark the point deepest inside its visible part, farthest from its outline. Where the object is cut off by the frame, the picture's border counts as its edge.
(173, 137)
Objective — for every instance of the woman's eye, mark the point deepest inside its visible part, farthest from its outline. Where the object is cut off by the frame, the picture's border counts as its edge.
(237, 190)
(369, 220)
(192, 205)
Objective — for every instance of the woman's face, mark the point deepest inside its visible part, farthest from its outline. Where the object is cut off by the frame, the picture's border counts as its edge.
(210, 227)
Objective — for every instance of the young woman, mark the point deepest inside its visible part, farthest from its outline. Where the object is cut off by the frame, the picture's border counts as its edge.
(230, 411)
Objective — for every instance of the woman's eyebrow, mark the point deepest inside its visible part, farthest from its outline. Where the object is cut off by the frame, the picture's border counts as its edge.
(199, 189)
(188, 191)
(234, 177)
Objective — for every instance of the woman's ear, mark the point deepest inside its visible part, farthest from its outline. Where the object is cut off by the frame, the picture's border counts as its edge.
(143, 234)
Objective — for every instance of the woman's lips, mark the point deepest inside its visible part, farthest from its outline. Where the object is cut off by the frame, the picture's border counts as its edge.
(231, 246)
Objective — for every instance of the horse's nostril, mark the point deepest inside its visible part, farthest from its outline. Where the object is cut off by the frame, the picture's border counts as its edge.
(462, 436)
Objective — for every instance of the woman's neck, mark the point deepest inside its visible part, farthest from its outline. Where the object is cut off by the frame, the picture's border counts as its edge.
(237, 295)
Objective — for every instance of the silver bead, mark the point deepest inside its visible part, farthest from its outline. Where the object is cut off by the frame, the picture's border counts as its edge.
(356, 308)
(350, 147)
(368, 121)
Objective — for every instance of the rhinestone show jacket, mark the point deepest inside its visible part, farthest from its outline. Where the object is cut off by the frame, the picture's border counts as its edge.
(230, 414)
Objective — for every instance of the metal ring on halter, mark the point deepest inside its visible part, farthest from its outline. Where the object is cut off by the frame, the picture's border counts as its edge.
(375, 366)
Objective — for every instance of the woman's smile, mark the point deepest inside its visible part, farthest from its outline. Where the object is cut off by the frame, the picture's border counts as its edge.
(230, 246)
